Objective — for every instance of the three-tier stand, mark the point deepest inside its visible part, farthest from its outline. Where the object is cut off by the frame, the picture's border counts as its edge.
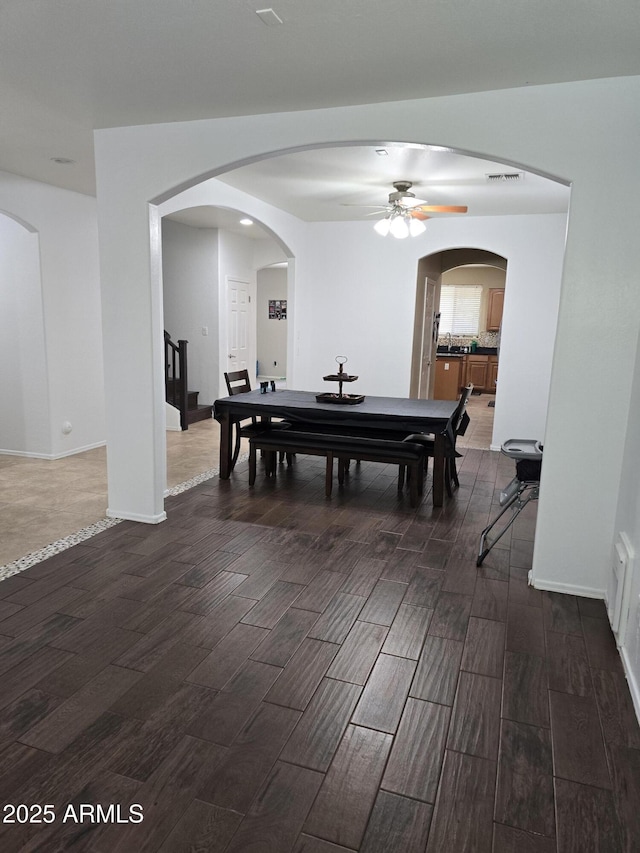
(340, 377)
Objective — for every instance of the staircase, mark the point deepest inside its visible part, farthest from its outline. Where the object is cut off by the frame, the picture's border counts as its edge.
(176, 384)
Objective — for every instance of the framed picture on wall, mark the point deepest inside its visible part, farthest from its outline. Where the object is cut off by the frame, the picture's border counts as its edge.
(277, 309)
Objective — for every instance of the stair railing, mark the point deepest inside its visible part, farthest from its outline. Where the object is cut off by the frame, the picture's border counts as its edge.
(175, 376)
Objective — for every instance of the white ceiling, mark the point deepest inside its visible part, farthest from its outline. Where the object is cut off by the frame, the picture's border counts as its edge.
(342, 184)
(69, 66)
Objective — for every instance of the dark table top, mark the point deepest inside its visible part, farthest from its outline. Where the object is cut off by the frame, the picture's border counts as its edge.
(379, 412)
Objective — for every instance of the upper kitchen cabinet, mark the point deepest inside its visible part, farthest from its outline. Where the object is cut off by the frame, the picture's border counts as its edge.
(494, 308)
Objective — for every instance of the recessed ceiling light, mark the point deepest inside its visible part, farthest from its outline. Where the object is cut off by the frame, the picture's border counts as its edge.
(246, 221)
(62, 161)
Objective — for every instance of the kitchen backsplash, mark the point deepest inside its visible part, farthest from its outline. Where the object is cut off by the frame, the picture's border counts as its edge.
(484, 339)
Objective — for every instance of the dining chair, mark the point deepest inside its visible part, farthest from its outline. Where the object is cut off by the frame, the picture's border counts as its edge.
(460, 422)
(238, 382)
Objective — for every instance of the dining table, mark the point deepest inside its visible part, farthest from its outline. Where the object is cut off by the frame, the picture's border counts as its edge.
(399, 414)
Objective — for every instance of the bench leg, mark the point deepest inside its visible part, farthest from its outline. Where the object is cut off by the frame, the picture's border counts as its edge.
(252, 463)
(270, 462)
(401, 472)
(328, 482)
(342, 467)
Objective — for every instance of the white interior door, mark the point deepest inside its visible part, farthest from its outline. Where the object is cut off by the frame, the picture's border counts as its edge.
(241, 327)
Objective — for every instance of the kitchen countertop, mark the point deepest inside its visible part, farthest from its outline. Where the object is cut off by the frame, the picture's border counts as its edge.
(443, 352)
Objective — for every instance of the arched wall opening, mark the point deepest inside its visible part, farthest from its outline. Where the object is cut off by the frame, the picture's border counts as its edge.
(431, 270)
(231, 257)
(529, 325)
(206, 250)
(303, 369)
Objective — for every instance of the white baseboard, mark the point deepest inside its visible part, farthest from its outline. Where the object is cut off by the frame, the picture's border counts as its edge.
(634, 687)
(567, 588)
(495, 446)
(52, 456)
(133, 516)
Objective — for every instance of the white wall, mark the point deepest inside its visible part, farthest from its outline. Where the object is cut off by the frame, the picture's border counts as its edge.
(24, 414)
(190, 298)
(66, 226)
(538, 127)
(627, 521)
(355, 296)
(271, 334)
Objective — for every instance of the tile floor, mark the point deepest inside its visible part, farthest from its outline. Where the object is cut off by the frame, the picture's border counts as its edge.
(480, 430)
(42, 500)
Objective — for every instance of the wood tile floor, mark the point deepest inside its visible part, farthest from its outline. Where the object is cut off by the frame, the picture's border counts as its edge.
(271, 671)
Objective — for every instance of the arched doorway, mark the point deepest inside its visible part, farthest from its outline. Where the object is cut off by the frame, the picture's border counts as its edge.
(528, 335)
(207, 251)
(432, 273)
(314, 310)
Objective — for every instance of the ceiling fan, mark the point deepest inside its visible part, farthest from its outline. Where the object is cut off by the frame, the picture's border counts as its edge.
(404, 213)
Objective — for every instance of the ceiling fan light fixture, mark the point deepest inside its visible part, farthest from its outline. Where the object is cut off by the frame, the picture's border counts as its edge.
(399, 228)
(382, 226)
(416, 227)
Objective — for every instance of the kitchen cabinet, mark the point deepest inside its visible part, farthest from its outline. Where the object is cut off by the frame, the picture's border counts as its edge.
(454, 372)
(448, 381)
(477, 371)
(494, 308)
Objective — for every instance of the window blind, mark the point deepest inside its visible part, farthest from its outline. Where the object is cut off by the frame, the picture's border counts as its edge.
(460, 309)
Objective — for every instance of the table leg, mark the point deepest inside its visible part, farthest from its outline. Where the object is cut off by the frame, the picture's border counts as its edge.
(226, 432)
(438, 470)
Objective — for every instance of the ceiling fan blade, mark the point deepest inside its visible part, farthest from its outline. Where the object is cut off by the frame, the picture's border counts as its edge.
(418, 214)
(442, 208)
(351, 204)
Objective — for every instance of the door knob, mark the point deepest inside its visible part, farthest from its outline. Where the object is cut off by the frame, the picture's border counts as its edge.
(231, 356)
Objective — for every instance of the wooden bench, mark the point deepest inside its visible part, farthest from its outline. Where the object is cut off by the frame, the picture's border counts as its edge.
(343, 448)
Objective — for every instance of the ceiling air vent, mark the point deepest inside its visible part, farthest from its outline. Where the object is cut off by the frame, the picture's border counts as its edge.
(505, 177)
